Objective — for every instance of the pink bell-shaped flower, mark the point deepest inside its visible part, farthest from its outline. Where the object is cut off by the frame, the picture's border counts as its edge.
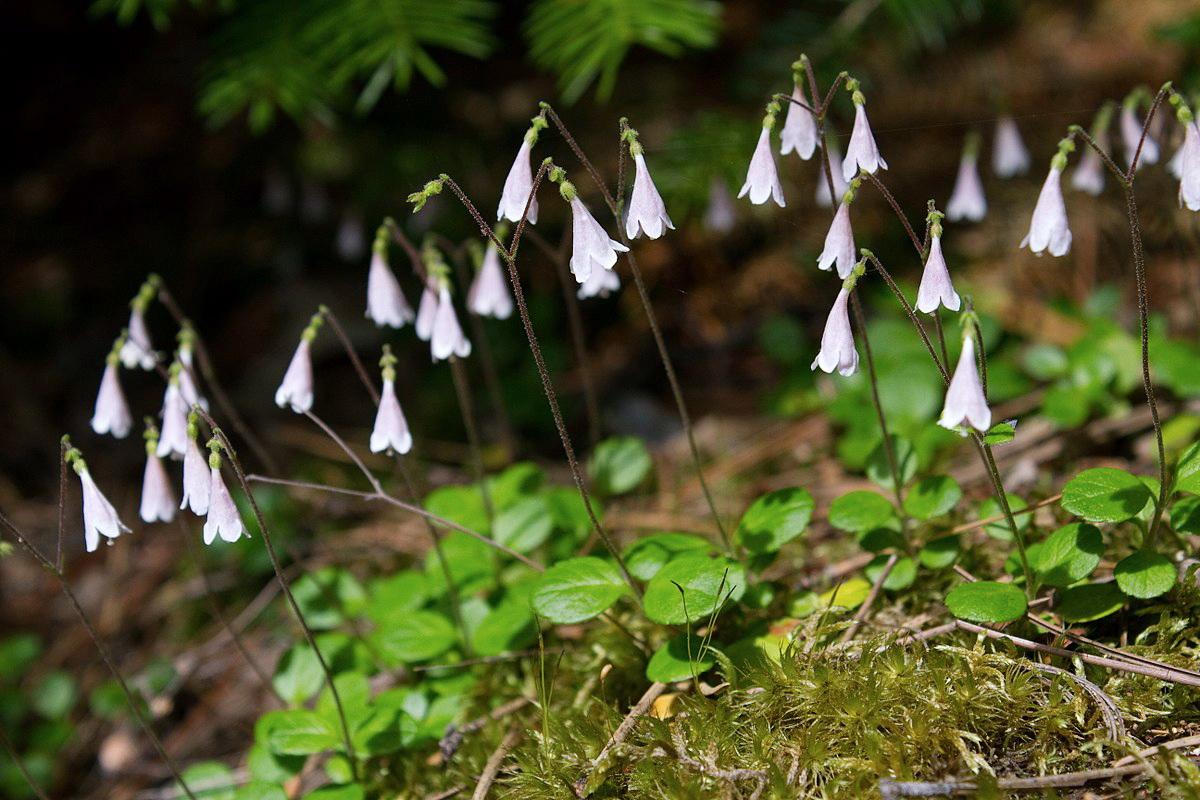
(837, 343)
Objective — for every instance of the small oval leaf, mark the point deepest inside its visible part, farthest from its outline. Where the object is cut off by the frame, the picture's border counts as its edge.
(775, 519)
(986, 601)
(577, 589)
(856, 512)
(1145, 574)
(1105, 494)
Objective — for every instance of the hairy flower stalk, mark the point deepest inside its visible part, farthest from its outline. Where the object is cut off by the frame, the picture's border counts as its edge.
(518, 185)
(1132, 133)
(762, 179)
(111, 414)
(837, 342)
(99, 517)
(862, 154)
(223, 519)
(1089, 174)
(136, 351)
(197, 482)
(839, 241)
(386, 306)
(488, 295)
(158, 501)
(647, 213)
(1009, 156)
(967, 201)
(296, 389)
(799, 132)
(391, 428)
(936, 288)
(1048, 228)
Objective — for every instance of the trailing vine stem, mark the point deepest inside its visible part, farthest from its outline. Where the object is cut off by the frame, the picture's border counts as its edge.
(236, 464)
(135, 703)
(664, 356)
(509, 254)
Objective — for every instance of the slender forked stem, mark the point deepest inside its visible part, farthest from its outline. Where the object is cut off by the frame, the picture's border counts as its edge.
(135, 703)
(644, 296)
(236, 464)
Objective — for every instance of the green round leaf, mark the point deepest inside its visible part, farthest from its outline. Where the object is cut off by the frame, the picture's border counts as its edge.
(775, 519)
(260, 790)
(329, 595)
(879, 470)
(519, 481)
(1089, 601)
(901, 577)
(1185, 515)
(509, 626)
(1187, 473)
(646, 556)
(461, 504)
(55, 696)
(932, 497)
(619, 465)
(1105, 494)
(1000, 529)
(1145, 574)
(299, 675)
(16, 653)
(416, 636)
(268, 767)
(524, 525)
(861, 511)
(705, 583)
(940, 553)
(577, 589)
(1046, 362)
(215, 779)
(472, 564)
(1068, 555)
(568, 511)
(986, 601)
(349, 791)
(396, 594)
(299, 732)
(1001, 433)
(682, 658)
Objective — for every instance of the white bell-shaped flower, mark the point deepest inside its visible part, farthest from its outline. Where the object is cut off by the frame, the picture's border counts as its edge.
(601, 283)
(591, 247)
(111, 414)
(447, 338)
(1189, 167)
(936, 288)
(799, 133)
(965, 401)
(426, 311)
(1009, 156)
(823, 197)
(386, 305)
(517, 187)
(158, 501)
(174, 438)
(187, 386)
(646, 211)
(296, 389)
(762, 179)
(197, 483)
(488, 295)
(1048, 229)
(837, 342)
(351, 239)
(137, 350)
(862, 153)
(967, 201)
(1131, 135)
(720, 216)
(223, 519)
(839, 244)
(1089, 174)
(391, 428)
(99, 516)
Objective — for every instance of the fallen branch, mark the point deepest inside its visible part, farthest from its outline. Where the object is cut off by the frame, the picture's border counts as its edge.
(620, 734)
(492, 768)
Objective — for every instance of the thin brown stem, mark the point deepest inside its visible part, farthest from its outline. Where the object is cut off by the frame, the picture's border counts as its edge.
(16, 759)
(359, 368)
(891, 200)
(864, 610)
(135, 703)
(492, 768)
(1137, 153)
(62, 504)
(462, 391)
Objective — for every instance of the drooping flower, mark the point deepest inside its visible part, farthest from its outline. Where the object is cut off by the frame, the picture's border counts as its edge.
(1175, 164)
(99, 516)
(799, 133)
(1089, 174)
(862, 153)
(197, 483)
(351, 238)
(837, 342)
(1009, 156)
(967, 201)
(187, 375)
(762, 180)
(488, 295)
(296, 389)
(223, 518)
(1048, 229)
(426, 311)
(518, 185)
(965, 401)
(137, 350)
(601, 283)
(391, 428)
(824, 198)
(1131, 135)
(1189, 166)
(839, 244)
(386, 305)
(447, 338)
(646, 211)
(720, 215)
(936, 288)
(158, 501)
(173, 441)
(112, 411)
(591, 246)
